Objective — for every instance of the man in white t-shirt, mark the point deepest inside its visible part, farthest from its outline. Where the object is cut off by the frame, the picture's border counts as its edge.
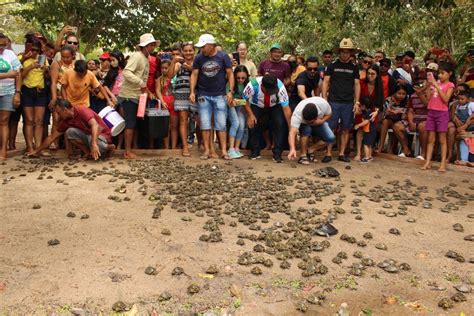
(310, 119)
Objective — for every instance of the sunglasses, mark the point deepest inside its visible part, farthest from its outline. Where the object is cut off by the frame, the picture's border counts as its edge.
(312, 69)
(72, 43)
(367, 62)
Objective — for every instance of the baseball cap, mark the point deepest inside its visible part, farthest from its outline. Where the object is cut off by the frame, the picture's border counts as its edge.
(432, 66)
(104, 56)
(205, 39)
(270, 83)
(275, 46)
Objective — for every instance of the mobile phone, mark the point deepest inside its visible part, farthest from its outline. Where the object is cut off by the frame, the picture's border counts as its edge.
(41, 60)
(74, 29)
(236, 56)
(429, 76)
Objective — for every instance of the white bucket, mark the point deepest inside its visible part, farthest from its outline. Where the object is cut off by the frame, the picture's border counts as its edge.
(113, 120)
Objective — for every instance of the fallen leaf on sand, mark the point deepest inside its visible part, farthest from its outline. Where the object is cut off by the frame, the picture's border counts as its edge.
(390, 300)
(205, 276)
(416, 306)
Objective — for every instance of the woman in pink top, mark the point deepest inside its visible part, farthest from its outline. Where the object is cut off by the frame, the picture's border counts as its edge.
(438, 113)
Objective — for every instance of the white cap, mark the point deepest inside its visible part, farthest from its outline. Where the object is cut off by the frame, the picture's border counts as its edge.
(146, 39)
(205, 39)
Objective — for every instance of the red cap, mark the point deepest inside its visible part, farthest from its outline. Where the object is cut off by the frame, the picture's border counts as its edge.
(104, 56)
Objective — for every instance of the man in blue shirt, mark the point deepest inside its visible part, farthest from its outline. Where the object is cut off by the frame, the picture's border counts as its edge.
(210, 70)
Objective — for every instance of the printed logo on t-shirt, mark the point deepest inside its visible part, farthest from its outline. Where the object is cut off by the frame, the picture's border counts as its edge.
(211, 68)
(4, 66)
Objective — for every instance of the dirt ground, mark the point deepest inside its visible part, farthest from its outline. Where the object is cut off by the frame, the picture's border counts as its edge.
(102, 259)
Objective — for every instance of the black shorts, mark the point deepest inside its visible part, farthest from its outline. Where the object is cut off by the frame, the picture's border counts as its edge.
(31, 97)
(369, 137)
(130, 108)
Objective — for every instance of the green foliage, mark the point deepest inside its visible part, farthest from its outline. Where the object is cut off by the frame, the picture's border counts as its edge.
(302, 26)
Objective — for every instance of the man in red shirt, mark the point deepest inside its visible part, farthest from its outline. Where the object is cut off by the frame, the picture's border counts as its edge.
(83, 128)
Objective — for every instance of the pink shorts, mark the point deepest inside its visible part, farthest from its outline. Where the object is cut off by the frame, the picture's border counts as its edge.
(437, 121)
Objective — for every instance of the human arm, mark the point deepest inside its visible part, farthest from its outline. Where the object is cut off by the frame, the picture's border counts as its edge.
(326, 87)
(361, 124)
(410, 119)
(292, 142)
(106, 95)
(46, 142)
(54, 83)
(59, 40)
(445, 96)
(251, 119)
(17, 96)
(301, 91)
(231, 81)
(95, 152)
(356, 95)
(192, 85)
(30, 67)
(287, 114)
(10, 74)
(128, 74)
(159, 95)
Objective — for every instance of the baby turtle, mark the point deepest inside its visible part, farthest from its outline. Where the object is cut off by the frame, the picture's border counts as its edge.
(285, 265)
(256, 271)
(337, 260)
(391, 269)
(204, 238)
(446, 303)
(404, 266)
(327, 172)
(381, 246)
(150, 271)
(463, 288)
(469, 238)
(120, 307)
(268, 263)
(258, 248)
(368, 235)
(212, 269)
(53, 242)
(166, 231)
(71, 214)
(193, 289)
(394, 231)
(301, 306)
(459, 297)
(458, 227)
(85, 216)
(357, 254)
(411, 220)
(240, 242)
(36, 206)
(177, 271)
(165, 296)
(361, 243)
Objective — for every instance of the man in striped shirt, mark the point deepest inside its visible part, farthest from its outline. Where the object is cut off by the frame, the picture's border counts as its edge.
(267, 101)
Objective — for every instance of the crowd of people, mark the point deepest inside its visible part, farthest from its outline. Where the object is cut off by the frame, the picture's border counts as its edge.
(351, 100)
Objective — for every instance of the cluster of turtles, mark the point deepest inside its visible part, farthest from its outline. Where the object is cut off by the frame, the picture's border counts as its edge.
(250, 204)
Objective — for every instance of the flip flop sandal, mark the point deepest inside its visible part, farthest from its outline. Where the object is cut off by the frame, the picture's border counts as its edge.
(226, 157)
(303, 160)
(186, 154)
(204, 157)
(310, 157)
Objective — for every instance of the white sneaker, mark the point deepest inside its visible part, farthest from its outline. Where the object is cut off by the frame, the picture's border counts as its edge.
(402, 155)
(420, 157)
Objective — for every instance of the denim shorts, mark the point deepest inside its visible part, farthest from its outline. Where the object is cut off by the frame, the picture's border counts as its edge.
(322, 131)
(213, 105)
(130, 108)
(342, 115)
(34, 97)
(6, 103)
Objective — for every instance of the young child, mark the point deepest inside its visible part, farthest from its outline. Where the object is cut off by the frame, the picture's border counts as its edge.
(438, 113)
(367, 127)
(164, 92)
(395, 110)
(464, 121)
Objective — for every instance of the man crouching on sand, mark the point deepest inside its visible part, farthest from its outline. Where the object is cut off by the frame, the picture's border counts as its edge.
(84, 130)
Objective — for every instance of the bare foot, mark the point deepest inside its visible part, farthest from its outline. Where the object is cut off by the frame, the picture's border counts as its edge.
(357, 158)
(470, 164)
(129, 155)
(442, 169)
(426, 166)
(3, 158)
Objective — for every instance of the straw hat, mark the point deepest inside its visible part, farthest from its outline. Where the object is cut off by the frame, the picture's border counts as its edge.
(347, 43)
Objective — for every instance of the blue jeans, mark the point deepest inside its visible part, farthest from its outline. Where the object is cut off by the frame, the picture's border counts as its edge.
(322, 131)
(464, 153)
(213, 105)
(237, 122)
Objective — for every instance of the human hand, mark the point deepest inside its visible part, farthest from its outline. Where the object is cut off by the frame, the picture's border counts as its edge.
(373, 115)
(251, 121)
(292, 154)
(95, 152)
(16, 100)
(192, 97)
(52, 103)
(230, 97)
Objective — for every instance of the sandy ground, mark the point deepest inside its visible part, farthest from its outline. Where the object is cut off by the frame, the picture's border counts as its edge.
(101, 260)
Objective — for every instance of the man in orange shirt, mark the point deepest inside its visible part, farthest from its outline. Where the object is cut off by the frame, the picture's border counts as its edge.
(76, 85)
